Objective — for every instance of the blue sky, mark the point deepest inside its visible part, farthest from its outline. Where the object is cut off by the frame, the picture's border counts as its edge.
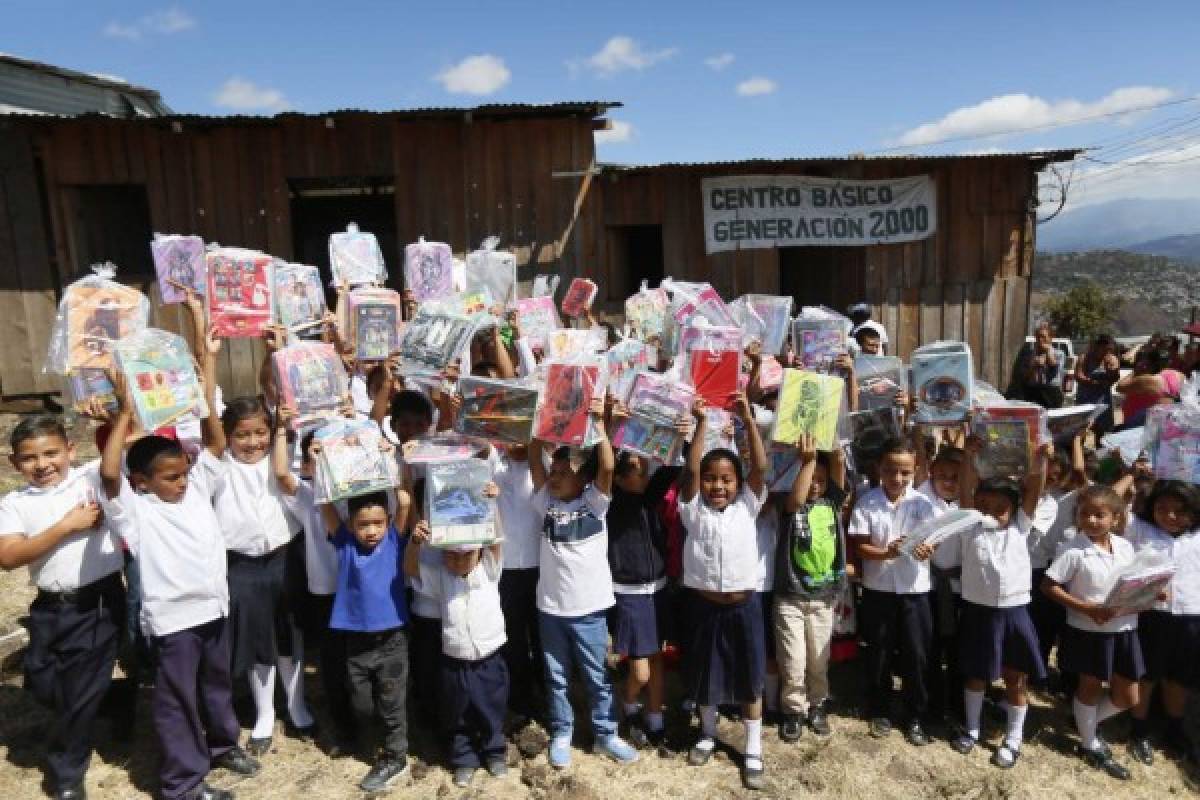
(700, 81)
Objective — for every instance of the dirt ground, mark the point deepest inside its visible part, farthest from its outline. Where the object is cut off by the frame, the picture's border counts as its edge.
(847, 764)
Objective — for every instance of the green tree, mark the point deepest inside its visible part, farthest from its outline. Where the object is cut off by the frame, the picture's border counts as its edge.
(1084, 311)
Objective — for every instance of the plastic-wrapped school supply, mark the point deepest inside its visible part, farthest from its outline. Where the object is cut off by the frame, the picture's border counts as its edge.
(239, 291)
(942, 380)
(579, 297)
(1172, 436)
(432, 340)
(719, 430)
(544, 285)
(476, 303)
(566, 343)
(494, 270)
(783, 465)
(497, 410)
(941, 527)
(646, 314)
(429, 270)
(1136, 586)
(809, 402)
(880, 379)
(435, 448)
(355, 258)
(90, 383)
(713, 363)
(352, 460)
(770, 374)
(1129, 444)
(1007, 442)
(1032, 415)
(537, 317)
(312, 381)
(819, 336)
(563, 414)
(178, 260)
(870, 432)
(764, 318)
(457, 510)
(299, 297)
(1066, 423)
(375, 317)
(656, 404)
(689, 300)
(161, 375)
(625, 359)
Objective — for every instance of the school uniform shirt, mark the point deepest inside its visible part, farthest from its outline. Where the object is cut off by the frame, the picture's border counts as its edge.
(940, 505)
(370, 587)
(1045, 539)
(720, 551)
(78, 560)
(1086, 572)
(179, 549)
(766, 525)
(250, 507)
(472, 622)
(320, 556)
(1185, 586)
(520, 524)
(880, 521)
(1148, 537)
(995, 563)
(575, 579)
(425, 602)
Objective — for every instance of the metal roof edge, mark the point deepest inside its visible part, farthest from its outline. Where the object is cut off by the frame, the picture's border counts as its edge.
(1046, 156)
(78, 75)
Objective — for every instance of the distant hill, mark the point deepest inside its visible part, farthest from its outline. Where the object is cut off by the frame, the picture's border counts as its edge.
(1118, 224)
(1185, 247)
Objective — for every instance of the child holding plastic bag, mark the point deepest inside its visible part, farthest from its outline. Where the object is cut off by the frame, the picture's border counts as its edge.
(727, 650)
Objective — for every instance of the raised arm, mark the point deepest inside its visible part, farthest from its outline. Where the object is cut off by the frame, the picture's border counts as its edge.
(837, 468)
(689, 479)
(110, 460)
(330, 519)
(281, 457)
(1035, 481)
(798, 498)
(845, 364)
(968, 476)
(605, 460)
(412, 551)
(757, 473)
(505, 368)
(381, 401)
(212, 432)
(537, 466)
(404, 518)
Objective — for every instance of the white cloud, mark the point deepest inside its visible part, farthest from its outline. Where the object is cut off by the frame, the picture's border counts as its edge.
(621, 53)
(1013, 112)
(162, 22)
(620, 132)
(239, 94)
(720, 61)
(752, 87)
(482, 74)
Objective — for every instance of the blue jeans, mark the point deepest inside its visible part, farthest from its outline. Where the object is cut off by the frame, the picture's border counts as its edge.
(584, 642)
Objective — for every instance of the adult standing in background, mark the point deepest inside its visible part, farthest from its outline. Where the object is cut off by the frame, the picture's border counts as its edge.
(1151, 383)
(1095, 375)
(1037, 372)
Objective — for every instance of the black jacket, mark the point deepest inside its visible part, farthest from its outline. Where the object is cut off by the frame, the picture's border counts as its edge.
(637, 540)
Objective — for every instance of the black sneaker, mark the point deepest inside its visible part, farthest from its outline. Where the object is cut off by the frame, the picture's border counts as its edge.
(818, 720)
(753, 773)
(1141, 750)
(880, 727)
(915, 735)
(637, 733)
(1102, 760)
(963, 743)
(76, 792)
(237, 761)
(384, 774)
(206, 792)
(791, 728)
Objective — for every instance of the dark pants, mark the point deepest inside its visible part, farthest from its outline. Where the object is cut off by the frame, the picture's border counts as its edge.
(945, 678)
(193, 704)
(334, 682)
(902, 622)
(1048, 616)
(377, 671)
(523, 650)
(474, 701)
(425, 657)
(68, 667)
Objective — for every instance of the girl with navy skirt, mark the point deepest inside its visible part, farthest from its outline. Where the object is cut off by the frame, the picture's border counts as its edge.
(996, 635)
(1099, 644)
(726, 657)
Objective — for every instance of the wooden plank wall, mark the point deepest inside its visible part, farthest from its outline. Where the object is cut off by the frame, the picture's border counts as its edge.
(457, 180)
(969, 281)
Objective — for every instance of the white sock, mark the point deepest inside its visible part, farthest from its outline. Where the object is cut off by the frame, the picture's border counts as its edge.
(1106, 709)
(654, 720)
(1085, 723)
(631, 708)
(771, 695)
(708, 722)
(262, 689)
(973, 707)
(1016, 727)
(291, 673)
(753, 747)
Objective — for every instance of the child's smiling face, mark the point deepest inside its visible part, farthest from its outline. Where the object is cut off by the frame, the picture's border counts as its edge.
(1096, 520)
(1172, 515)
(250, 439)
(44, 460)
(719, 483)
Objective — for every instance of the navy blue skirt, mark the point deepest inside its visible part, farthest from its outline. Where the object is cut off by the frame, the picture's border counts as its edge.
(726, 659)
(767, 601)
(1101, 655)
(1179, 649)
(636, 623)
(992, 639)
(1155, 634)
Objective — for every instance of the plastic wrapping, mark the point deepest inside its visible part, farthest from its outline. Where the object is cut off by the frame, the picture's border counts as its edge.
(1172, 436)
(440, 447)
(299, 297)
(432, 340)
(1032, 415)
(1128, 444)
(819, 336)
(770, 374)
(537, 318)
(355, 258)
(718, 430)
(494, 270)
(646, 315)
(943, 382)
(783, 465)
(90, 383)
(239, 291)
(351, 461)
(880, 379)
(544, 285)
(713, 363)
(871, 430)
(429, 270)
(161, 374)
(765, 318)
(812, 403)
(312, 382)
(625, 359)
(178, 259)
(1065, 424)
(579, 297)
(1009, 434)
(94, 313)
(375, 318)
(476, 303)
(982, 394)
(563, 414)
(497, 410)
(1137, 585)
(455, 505)
(689, 300)
(567, 343)
(656, 403)
(940, 527)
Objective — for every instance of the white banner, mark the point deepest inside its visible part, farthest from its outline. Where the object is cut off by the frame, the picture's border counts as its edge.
(753, 211)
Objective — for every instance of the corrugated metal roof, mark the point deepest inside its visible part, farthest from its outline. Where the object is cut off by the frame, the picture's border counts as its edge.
(37, 87)
(766, 163)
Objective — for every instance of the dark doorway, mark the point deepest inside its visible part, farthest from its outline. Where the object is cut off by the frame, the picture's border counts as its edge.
(823, 276)
(635, 254)
(321, 206)
(109, 222)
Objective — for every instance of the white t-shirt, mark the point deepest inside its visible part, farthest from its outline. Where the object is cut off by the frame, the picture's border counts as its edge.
(1087, 572)
(520, 523)
(472, 621)
(880, 521)
(995, 563)
(1185, 586)
(253, 515)
(767, 527)
(575, 579)
(720, 551)
(1045, 539)
(179, 549)
(78, 560)
(425, 601)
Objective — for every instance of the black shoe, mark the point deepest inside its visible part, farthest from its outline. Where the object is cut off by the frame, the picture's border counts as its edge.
(818, 720)
(76, 792)
(656, 738)
(497, 767)
(259, 747)
(752, 776)
(915, 735)
(699, 756)
(880, 727)
(385, 773)
(1005, 757)
(463, 776)
(791, 728)
(206, 792)
(964, 743)
(1141, 750)
(308, 733)
(637, 733)
(237, 761)
(1104, 761)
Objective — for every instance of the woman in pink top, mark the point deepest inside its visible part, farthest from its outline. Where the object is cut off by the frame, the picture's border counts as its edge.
(1151, 383)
